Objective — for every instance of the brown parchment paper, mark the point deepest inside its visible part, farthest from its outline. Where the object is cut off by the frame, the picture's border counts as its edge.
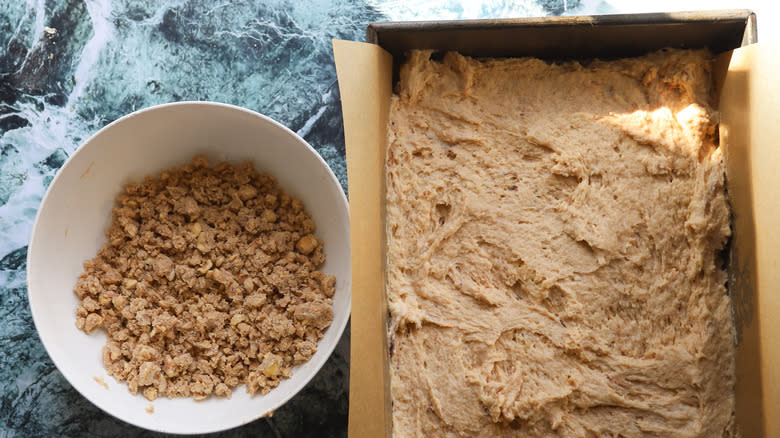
(750, 133)
(365, 80)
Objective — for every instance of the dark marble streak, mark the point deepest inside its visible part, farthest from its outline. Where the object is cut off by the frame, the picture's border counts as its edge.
(273, 57)
(31, 70)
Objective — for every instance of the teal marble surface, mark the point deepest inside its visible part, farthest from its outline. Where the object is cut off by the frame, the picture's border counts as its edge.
(68, 68)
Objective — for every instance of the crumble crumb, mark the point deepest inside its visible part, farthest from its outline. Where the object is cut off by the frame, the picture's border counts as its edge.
(100, 382)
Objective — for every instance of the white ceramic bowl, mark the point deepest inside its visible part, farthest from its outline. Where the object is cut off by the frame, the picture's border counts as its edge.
(70, 224)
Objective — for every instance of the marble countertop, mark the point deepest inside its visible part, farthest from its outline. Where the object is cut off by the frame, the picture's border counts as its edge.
(69, 67)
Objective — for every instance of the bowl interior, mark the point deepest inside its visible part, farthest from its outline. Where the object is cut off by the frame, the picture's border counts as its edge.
(76, 210)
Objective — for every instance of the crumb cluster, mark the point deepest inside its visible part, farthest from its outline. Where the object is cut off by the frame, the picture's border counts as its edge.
(208, 281)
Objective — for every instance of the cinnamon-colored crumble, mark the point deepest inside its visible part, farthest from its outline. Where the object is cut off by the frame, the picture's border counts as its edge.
(208, 281)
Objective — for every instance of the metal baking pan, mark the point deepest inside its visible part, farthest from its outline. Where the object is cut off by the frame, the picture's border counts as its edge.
(580, 37)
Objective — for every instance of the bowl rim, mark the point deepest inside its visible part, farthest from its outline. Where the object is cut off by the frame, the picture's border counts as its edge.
(30, 245)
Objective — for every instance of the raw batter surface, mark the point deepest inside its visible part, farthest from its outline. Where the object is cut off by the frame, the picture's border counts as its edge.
(553, 238)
